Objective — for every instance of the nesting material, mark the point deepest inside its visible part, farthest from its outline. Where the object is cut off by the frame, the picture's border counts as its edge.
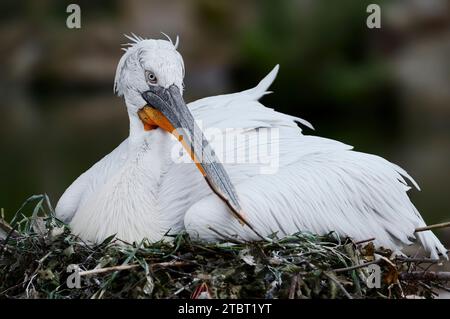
(38, 250)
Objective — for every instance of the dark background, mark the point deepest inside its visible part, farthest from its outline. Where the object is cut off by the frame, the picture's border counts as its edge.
(385, 91)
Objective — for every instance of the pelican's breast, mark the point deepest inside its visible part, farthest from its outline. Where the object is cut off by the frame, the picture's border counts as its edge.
(128, 204)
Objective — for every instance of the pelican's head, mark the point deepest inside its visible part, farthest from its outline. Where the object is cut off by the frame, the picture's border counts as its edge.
(148, 64)
(150, 77)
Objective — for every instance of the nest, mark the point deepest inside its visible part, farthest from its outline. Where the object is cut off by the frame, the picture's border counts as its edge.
(37, 250)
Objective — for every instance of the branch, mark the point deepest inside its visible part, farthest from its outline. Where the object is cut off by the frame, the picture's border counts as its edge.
(126, 267)
(428, 276)
(364, 241)
(6, 230)
(332, 278)
(340, 286)
(435, 226)
(107, 269)
(418, 260)
(227, 238)
(293, 286)
(357, 266)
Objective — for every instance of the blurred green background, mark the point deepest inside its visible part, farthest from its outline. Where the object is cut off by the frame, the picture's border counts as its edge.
(385, 91)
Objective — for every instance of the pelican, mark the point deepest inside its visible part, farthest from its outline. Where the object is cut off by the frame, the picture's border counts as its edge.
(169, 175)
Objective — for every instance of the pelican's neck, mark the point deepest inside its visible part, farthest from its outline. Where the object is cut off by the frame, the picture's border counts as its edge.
(137, 132)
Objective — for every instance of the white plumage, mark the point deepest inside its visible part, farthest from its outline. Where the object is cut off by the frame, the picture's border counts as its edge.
(318, 184)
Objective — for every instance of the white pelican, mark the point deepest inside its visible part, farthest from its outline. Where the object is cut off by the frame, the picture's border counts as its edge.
(142, 190)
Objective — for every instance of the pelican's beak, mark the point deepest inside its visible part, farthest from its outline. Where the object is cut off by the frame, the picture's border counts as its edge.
(166, 109)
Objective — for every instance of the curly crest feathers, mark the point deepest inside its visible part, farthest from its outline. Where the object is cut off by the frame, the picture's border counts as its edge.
(137, 49)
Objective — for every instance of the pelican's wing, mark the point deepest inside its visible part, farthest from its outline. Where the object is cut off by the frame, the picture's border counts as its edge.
(243, 129)
(87, 183)
(316, 184)
(242, 109)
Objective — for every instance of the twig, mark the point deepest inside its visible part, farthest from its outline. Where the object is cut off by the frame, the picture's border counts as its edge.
(417, 260)
(331, 277)
(428, 276)
(435, 226)
(429, 288)
(30, 283)
(357, 266)
(171, 264)
(293, 287)
(388, 261)
(6, 229)
(443, 287)
(126, 267)
(107, 269)
(364, 241)
(227, 238)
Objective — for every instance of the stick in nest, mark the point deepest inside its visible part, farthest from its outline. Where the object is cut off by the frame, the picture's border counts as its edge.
(435, 226)
(357, 266)
(126, 267)
(428, 275)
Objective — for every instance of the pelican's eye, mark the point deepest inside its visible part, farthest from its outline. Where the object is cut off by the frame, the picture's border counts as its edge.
(150, 77)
